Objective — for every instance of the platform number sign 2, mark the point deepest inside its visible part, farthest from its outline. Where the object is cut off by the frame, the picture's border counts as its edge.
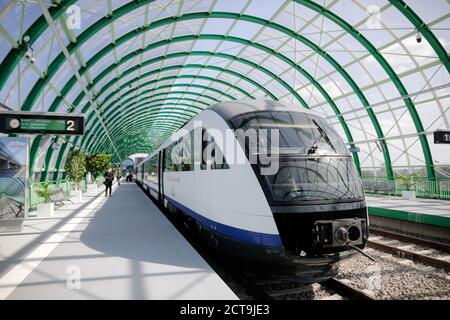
(70, 125)
(41, 123)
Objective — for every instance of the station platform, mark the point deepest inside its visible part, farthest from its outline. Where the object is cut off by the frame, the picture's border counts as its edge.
(426, 217)
(119, 247)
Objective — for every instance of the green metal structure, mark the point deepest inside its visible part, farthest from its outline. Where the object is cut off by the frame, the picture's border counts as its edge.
(140, 69)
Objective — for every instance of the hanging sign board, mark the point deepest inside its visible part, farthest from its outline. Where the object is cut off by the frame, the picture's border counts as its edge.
(41, 123)
(441, 136)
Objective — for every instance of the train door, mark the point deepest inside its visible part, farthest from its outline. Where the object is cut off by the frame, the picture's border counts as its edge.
(161, 178)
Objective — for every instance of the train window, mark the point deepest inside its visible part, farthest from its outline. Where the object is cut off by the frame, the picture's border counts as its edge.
(313, 163)
(168, 162)
(179, 155)
(186, 153)
(211, 154)
(151, 170)
(299, 134)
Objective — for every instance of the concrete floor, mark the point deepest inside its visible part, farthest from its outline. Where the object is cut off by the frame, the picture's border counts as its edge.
(120, 247)
(420, 206)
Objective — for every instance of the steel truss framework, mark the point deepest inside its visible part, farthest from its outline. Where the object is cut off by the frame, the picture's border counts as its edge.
(149, 66)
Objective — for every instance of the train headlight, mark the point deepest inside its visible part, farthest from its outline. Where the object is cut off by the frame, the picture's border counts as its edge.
(338, 233)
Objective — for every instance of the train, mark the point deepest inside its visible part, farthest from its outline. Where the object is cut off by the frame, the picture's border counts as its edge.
(265, 183)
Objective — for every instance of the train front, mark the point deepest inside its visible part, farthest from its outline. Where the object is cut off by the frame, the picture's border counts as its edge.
(311, 185)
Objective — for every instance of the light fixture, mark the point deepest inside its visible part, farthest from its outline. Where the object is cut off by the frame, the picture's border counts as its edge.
(30, 52)
(418, 37)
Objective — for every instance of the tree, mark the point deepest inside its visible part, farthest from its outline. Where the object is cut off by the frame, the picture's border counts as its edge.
(75, 166)
(97, 163)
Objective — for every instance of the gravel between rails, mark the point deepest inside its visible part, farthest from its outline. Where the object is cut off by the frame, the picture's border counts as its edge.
(395, 278)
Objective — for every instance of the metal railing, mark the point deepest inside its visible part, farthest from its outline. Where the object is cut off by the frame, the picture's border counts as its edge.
(439, 189)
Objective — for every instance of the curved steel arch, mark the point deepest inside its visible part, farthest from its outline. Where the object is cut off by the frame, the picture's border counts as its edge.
(166, 129)
(317, 49)
(194, 66)
(304, 72)
(193, 85)
(423, 28)
(95, 131)
(173, 98)
(181, 77)
(390, 72)
(145, 110)
(117, 130)
(49, 153)
(309, 77)
(86, 107)
(40, 25)
(272, 50)
(132, 103)
(221, 15)
(146, 102)
(169, 126)
(206, 88)
(111, 68)
(180, 93)
(304, 1)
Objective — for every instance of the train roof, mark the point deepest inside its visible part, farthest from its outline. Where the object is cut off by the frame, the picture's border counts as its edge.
(230, 109)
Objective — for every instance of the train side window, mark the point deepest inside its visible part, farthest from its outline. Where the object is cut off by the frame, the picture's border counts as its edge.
(211, 152)
(205, 138)
(186, 153)
(168, 163)
(150, 170)
(178, 156)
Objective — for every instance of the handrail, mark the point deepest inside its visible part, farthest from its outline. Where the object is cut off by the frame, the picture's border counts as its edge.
(439, 189)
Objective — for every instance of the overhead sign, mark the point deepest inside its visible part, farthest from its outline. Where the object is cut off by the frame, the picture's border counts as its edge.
(441, 136)
(354, 149)
(42, 123)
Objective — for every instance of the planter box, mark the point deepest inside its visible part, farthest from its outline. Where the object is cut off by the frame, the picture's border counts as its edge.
(409, 195)
(46, 210)
(92, 188)
(76, 195)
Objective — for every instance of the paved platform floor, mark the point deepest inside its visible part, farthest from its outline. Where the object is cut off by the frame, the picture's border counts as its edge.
(120, 247)
(419, 206)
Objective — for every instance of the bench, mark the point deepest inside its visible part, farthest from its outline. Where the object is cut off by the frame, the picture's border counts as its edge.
(58, 197)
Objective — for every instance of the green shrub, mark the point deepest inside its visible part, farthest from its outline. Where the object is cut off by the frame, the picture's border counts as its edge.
(407, 181)
(98, 163)
(44, 192)
(75, 166)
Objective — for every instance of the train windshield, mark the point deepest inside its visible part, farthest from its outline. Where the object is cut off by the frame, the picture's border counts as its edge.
(312, 162)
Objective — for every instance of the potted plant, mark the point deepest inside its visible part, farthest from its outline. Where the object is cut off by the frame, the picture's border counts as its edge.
(409, 184)
(46, 208)
(75, 168)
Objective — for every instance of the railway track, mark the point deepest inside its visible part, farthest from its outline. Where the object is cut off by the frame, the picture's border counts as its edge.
(348, 286)
(332, 289)
(427, 252)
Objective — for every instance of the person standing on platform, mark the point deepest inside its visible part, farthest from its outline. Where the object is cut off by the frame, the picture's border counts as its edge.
(118, 178)
(109, 177)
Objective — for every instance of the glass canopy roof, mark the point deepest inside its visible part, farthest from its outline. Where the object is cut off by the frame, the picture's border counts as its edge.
(140, 69)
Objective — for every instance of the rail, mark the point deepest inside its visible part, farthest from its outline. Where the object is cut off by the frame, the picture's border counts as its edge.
(439, 189)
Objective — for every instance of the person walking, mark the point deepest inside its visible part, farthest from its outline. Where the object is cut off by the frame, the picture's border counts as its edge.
(118, 178)
(109, 177)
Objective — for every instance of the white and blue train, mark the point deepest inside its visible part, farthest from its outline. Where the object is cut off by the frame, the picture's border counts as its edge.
(302, 219)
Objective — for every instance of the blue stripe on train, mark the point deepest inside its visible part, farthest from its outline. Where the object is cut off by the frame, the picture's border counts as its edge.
(262, 239)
